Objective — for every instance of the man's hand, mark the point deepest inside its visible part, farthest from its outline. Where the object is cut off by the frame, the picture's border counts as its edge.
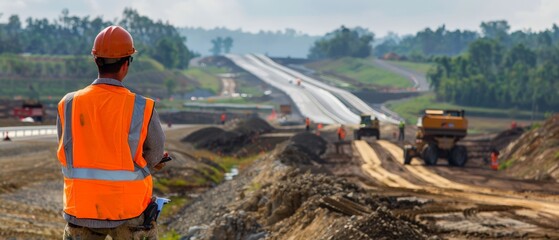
(161, 164)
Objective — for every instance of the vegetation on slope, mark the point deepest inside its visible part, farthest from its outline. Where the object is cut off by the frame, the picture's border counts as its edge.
(358, 74)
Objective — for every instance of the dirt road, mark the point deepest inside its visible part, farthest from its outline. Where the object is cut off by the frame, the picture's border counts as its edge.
(228, 87)
(493, 208)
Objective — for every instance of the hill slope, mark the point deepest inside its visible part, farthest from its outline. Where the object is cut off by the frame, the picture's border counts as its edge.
(535, 155)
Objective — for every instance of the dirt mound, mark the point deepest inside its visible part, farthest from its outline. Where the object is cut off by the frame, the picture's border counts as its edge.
(303, 148)
(380, 224)
(227, 142)
(303, 206)
(535, 155)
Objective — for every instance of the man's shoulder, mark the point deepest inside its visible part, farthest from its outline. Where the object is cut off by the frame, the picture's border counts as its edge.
(67, 96)
(144, 97)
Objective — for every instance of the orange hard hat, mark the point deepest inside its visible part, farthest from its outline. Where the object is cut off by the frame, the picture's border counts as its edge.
(113, 42)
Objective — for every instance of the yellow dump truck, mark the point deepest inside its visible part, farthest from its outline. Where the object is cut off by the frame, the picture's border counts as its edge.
(438, 132)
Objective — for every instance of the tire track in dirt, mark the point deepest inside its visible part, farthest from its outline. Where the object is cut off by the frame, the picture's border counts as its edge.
(372, 165)
(474, 193)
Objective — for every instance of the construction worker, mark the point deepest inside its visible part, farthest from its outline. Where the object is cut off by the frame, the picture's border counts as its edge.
(341, 133)
(494, 159)
(401, 126)
(223, 118)
(318, 128)
(307, 124)
(110, 140)
(375, 123)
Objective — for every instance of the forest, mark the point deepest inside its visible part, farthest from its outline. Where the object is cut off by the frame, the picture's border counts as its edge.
(441, 41)
(74, 35)
(490, 74)
(343, 42)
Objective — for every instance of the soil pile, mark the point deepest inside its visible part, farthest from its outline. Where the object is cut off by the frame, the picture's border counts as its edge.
(535, 155)
(308, 206)
(380, 224)
(227, 142)
(303, 148)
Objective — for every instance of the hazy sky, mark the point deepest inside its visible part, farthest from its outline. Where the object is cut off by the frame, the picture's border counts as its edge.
(309, 16)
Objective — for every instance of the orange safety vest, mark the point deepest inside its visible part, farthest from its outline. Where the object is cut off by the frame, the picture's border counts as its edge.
(103, 130)
(307, 122)
(341, 133)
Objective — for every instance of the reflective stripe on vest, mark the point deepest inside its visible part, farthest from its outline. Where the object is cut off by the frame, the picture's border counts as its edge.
(99, 174)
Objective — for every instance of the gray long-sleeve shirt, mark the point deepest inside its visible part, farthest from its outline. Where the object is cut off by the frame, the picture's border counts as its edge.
(153, 149)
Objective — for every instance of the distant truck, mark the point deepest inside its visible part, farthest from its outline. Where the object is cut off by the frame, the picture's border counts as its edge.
(367, 128)
(437, 136)
(30, 108)
(285, 109)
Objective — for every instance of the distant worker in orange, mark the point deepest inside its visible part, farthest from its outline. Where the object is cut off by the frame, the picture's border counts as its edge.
(494, 159)
(223, 118)
(318, 128)
(110, 141)
(341, 133)
(307, 124)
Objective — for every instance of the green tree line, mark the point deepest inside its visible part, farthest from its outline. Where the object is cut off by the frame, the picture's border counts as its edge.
(441, 42)
(74, 35)
(491, 74)
(343, 42)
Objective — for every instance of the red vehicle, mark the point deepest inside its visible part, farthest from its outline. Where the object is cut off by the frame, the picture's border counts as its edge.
(33, 109)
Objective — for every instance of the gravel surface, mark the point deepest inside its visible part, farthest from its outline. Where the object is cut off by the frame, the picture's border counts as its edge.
(47, 195)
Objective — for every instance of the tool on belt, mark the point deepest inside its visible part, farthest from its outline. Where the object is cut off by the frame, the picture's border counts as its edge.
(156, 205)
(152, 212)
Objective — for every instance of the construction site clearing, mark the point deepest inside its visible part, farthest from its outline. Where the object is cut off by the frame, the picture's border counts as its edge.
(293, 184)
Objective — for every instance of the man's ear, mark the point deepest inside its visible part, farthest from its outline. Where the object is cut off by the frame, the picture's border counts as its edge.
(125, 66)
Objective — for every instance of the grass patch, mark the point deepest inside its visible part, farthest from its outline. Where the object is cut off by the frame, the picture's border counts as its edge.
(168, 104)
(415, 66)
(173, 207)
(362, 71)
(236, 100)
(535, 126)
(411, 108)
(164, 185)
(254, 186)
(170, 235)
(227, 162)
(506, 164)
(206, 77)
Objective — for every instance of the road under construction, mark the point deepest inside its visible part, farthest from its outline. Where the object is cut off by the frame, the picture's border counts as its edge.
(432, 201)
